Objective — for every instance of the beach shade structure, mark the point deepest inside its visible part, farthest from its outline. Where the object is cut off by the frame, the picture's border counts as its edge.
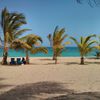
(19, 62)
(13, 62)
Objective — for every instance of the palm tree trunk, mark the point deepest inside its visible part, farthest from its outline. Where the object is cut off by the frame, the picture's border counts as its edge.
(54, 56)
(56, 60)
(5, 54)
(82, 61)
(27, 57)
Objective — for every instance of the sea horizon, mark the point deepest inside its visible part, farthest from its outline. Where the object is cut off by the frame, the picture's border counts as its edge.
(68, 52)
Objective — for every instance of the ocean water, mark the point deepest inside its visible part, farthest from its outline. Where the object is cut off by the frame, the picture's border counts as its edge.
(68, 52)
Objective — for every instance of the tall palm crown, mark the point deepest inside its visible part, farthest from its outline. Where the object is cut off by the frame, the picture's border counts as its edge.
(84, 45)
(31, 39)
(11, 23)
(57, 41)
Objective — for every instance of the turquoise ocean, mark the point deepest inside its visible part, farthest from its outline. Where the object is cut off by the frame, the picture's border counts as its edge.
(68, 52)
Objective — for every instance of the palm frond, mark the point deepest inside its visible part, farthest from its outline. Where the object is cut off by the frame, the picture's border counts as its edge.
(66, 43)
(50, 39)
(89, 37)
(97, 47)
(31, 39)
(63, 38)
(60, 33)
(89, 50)
(20, 32)
(81, 40)
(17, 17)
(90, 43)
(39, 49)
(77, 43)
(55, 32)
(18, 44)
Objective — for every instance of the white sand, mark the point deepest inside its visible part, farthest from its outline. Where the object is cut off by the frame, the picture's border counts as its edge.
(81, 78)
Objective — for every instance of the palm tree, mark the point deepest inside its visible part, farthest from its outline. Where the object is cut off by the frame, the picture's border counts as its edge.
(11, 23)
(57, 42)
(28, 43)
(84, 46)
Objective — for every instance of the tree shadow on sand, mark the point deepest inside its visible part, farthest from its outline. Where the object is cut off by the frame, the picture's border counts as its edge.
(46, 59)
(86, 63)
(72, 63)
(93, 63)
(78, 96)
(3, 85)
(37, 91)
(34, 90)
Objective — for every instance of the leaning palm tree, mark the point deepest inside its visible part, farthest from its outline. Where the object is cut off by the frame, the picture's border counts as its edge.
(57, 42)
(28, 43)
(84, 46)
(11, 23)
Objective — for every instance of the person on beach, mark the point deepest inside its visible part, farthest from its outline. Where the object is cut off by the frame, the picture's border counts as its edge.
(23, 61)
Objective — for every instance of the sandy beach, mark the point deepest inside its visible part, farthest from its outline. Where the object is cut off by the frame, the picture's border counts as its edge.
(68, 73)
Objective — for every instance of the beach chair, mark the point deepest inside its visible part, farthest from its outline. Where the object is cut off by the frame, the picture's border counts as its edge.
(12, 62)
(19, 62)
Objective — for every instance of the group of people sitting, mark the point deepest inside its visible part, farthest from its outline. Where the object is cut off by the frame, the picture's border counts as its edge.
(18, 61)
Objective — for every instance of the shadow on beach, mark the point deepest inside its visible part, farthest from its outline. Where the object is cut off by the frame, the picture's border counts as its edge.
(93, 62)
(78, 63)
(46, 91)
(78, 96)
(34, 91)
(3, 85)
(72, 63)
(46, 59)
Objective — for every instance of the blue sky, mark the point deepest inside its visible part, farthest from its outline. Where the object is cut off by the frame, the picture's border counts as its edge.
(44, 15)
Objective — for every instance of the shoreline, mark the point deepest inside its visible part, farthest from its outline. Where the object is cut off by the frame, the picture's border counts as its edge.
(51, 57)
